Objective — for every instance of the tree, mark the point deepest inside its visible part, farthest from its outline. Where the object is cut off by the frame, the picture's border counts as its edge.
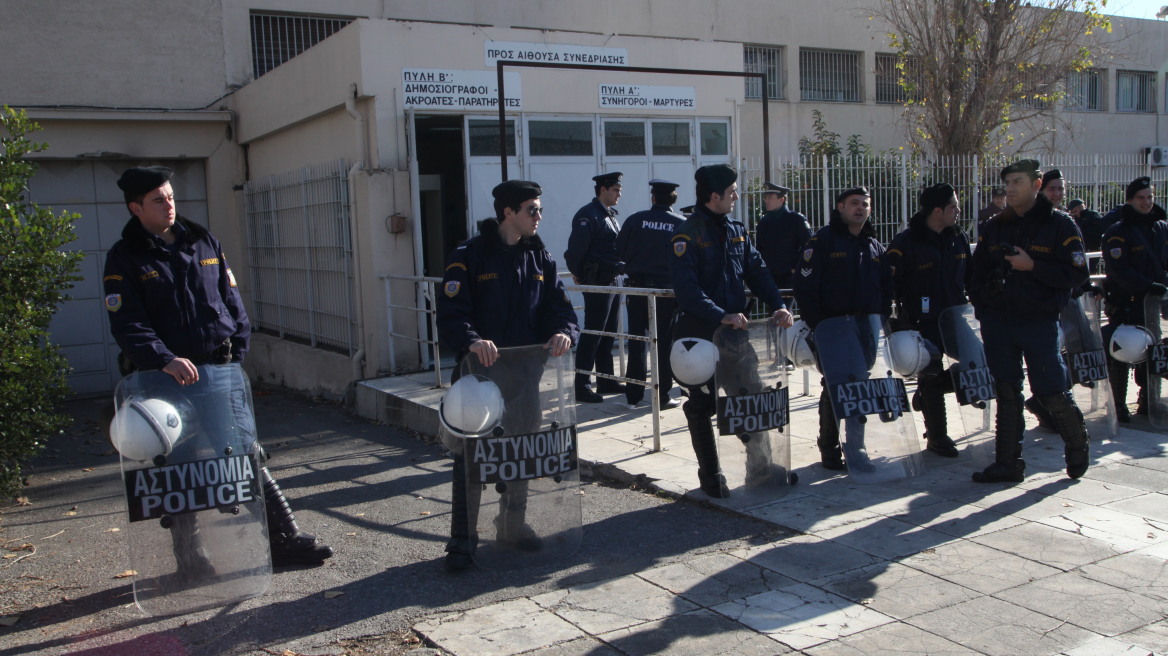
(972, 68)
(34, 274)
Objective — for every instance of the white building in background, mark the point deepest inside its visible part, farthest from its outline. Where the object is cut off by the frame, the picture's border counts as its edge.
(329, 144)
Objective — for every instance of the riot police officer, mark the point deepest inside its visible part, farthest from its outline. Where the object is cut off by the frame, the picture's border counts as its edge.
(927, 262)
(500, 289)
(1135, 253)
(593, 260)
(173, 305)
(643, 243)
(842, 273)
(713, 257)
(1027, 261)
(781, 234)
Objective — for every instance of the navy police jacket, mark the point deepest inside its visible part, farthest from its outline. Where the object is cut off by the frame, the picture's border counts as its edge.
(593, 240)
(510, 295)
(712, 257)
(1052, 239)
(172, 302)
(1135, 253)
(780, 237)
(643, 244)
(842, 274)
(927, 270)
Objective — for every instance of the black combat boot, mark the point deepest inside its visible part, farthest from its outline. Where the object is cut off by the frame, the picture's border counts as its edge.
(191, 555)
(1008, 466)
(290, 545)
(830, 453)
(932, 402)
(705, 447)
(1068, 420)
(584, 393)
(1034, 405)
(1118, 374)
(511, 528)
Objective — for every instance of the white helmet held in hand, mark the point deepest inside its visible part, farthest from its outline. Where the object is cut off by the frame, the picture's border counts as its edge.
(693, 360)
(1130, 344)
(472, 407)
(142, 430)
(907, 353)
(794, 346)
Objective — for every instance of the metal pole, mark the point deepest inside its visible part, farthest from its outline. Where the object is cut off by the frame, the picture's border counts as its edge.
(654, 379)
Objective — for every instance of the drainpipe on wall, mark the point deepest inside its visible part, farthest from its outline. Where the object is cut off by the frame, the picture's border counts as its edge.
(358, 358)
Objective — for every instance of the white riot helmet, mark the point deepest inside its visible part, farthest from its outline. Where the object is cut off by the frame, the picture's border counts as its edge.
(693, 360)
(1130, 344)
(472, 407)
(794, 346)
(143, 430)
(907, 353)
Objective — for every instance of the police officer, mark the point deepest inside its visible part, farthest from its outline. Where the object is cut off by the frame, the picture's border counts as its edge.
(1135, 253)
(643, 243)
(593, 260)
(712, 258)
(842, 273)
(1026, 263)
(928, 262)
(781, 234)
(500, 289)
(173, 305)
(996, 205)
(1054, 187)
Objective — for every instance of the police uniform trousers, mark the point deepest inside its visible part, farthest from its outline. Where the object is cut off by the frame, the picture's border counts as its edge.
(521, 414)
(600, 313)
(638, 307)
(829, 435)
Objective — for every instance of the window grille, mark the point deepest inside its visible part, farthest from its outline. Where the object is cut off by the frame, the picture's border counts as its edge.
(763, 59)
(888, 87)
(1085, 91)
(276, 38)
(829, 75)
(1135, 91)
(300, 256)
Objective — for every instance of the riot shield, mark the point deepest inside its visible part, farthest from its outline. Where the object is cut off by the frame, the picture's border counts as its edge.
(879, 436)
(198, 535)
(973, 386)
(522, 467)
(1156, 321)
(1086, 361)
(754, 408)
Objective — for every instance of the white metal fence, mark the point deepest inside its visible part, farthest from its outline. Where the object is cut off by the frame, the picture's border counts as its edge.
(300, 255)
(895, 181)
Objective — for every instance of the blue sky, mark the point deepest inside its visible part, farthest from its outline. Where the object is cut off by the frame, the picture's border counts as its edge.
(1135, 8)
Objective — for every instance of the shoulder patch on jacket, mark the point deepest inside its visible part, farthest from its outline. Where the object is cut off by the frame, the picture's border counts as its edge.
(1071, 239)
(230, 278)
(679, 246)
(456, 265)
(210, 261)
(451, 288)
(113, 302)
(112, 277)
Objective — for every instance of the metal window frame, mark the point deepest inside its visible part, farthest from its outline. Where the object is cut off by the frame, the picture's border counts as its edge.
(1146, 89)
(1094, 82)
(831, 72)
(773, 70)
(277, 36)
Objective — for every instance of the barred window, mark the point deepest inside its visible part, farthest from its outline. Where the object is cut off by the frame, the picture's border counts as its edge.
(1085, 90)
(1135, 91)
(1036, 85)
(829, 75)
(888, 75)
(276, 38)
(763, 59)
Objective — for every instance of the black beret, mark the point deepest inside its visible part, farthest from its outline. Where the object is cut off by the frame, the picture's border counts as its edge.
(937, 195)
(771, 187)
(608, 179)
(1136, 186)
(663, 185)
(141, 180)
(997, 192)
(854, 191)
(1075, 202)
(513, 192)
(687, 210)
(1028, 166)
(716, 177)
(1053, 174)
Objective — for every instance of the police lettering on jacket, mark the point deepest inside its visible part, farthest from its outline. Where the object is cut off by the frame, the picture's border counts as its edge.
(1052, 240)
(172, 302)
(1135, 254)
(593, 239)
(712, 257)
(780, 236)
(643, 244)
(510, 295)
(842, 274)
(928, 270)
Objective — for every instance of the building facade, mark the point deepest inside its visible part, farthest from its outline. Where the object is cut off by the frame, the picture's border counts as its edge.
(339, 148)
